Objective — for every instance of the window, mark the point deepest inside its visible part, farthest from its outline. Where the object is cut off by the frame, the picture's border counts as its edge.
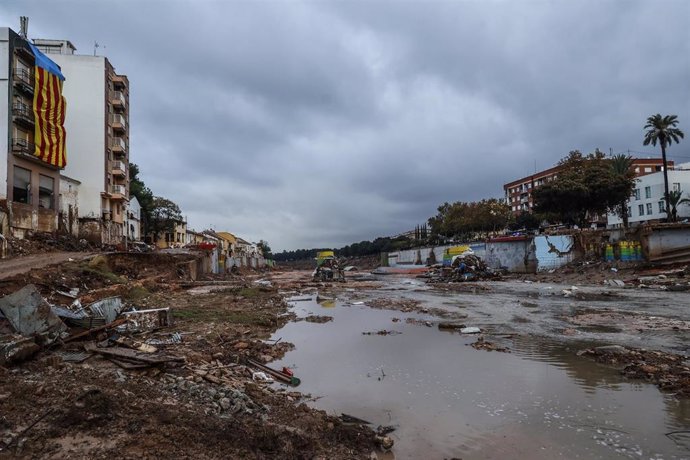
(662, 207)
(648, 192)
(640, 208)
(21, 190)
(637, 193)
(676, 187)
(649, 208)
(629, 211)
(637, 169)
(648, 169)
(45, 192)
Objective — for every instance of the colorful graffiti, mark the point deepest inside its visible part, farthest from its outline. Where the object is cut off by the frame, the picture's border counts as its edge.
(625, 251)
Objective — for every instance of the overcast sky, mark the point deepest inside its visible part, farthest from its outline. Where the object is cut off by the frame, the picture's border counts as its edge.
(318, 124)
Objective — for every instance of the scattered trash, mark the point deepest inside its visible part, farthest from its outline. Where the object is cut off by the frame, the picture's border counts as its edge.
(284, 378)
(470, 330)
(261, 377)
(147, 320)
(175, 338)
(450, 326)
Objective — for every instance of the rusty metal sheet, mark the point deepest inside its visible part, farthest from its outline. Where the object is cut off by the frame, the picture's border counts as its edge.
(29, 313)
(107, 308)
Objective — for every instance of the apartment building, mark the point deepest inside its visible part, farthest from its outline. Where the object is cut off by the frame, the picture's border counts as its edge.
(647, 204)
(518, 193)
(30, 163)
(98, 122)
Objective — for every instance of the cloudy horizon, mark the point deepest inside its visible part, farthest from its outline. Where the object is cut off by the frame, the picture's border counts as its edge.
(320, 124)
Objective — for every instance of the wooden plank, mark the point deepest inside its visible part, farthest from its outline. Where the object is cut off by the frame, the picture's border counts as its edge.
(127, 354)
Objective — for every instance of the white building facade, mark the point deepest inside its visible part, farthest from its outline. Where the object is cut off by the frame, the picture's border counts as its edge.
(647, 202)
(98, 142)
(133, 220)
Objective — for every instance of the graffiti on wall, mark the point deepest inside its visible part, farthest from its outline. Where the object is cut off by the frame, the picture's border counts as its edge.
(625, 251)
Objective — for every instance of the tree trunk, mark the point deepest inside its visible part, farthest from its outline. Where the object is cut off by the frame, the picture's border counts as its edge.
(624, 214)
(666, 195)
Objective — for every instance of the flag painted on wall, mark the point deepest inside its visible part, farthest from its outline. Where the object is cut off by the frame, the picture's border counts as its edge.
(49, 111)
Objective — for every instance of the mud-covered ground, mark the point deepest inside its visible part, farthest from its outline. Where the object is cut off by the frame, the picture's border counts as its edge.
(207, 405)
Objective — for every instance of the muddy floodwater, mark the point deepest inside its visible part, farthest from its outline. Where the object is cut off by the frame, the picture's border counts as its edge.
(448, 400)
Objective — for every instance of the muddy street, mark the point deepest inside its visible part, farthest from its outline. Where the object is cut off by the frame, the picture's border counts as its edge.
(384, 358)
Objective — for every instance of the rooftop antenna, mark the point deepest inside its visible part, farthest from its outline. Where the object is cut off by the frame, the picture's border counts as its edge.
(96, 46)
(24, 27)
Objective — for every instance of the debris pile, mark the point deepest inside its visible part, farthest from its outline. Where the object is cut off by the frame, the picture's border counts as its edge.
(46, 242)
(464, 267)
(328, 268)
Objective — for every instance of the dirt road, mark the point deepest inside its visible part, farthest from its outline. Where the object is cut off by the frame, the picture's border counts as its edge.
(15, 266)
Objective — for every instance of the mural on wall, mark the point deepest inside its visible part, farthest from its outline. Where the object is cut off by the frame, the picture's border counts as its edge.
(625, 251)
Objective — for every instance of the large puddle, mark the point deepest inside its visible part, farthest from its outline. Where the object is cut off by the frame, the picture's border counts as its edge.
(449, 400)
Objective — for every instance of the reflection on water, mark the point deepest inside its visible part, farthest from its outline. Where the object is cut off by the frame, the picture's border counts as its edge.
(449, 400)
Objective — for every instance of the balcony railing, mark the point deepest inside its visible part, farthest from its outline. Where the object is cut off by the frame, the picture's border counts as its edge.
(20, 145)
(118, 121)
(118, 99)
(24, 79)
(22, 112)
(119, 144)
(119, 190)
(118, 167)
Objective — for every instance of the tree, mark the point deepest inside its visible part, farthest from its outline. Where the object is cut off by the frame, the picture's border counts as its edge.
(674, 199)
(143, 194)
(465, 221)
(663, 130)
(265, 249)
(165, 214)
(622, 169)
(585, 187)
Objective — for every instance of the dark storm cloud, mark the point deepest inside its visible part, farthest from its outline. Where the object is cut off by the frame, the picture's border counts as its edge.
(324, 123)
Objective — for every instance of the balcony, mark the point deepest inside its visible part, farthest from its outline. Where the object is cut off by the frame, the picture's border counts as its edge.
(119, 145)
(24, 146)
(118, 99)
(118, 192)
(118, 122)
(23, 80)
(118, 168)
(119, 81)
(23, 114)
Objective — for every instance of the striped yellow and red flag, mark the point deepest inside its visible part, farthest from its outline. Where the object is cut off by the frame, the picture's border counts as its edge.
(49, 106)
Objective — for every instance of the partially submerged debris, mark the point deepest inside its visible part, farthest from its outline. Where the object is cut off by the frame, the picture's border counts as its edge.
(669, 371)
(482, 344)
(382, 332)
(318, 319)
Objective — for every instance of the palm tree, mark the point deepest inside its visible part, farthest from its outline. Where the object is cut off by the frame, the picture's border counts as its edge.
(675, 199)
(663, 130)
(621, 166)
